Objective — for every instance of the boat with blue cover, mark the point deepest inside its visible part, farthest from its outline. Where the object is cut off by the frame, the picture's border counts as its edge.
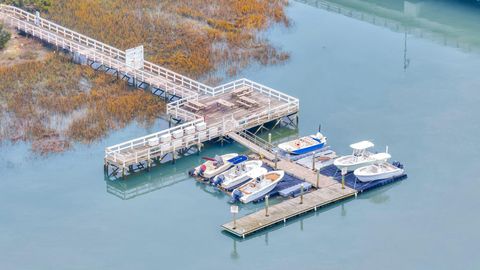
(304, 144)
(214, 166)
(239, 174)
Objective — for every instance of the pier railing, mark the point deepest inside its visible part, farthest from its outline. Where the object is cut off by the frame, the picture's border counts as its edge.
(156, 76)
(100, 52)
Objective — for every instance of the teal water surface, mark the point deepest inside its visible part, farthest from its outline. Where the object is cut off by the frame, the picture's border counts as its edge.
(402, 74)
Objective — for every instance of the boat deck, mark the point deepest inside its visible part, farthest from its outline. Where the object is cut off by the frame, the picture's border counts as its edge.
(227, 104)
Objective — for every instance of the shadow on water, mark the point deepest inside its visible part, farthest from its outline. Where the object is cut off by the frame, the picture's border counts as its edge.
(160, 176)
(167, 174)
(451, 23)
(376, 196)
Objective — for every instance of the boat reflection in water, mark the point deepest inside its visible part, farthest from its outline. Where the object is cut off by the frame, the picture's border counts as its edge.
(441, 21)
(136, 185)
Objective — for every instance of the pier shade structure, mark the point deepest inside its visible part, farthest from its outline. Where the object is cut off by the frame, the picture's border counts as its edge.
(200, 112)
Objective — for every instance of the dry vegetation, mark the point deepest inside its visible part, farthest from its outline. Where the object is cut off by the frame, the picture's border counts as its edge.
(193, 37)
(46, 100)
(54, 102)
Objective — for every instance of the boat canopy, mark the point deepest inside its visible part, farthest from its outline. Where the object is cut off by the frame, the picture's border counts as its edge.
(382, 156)
(361, 145)
(238, 159)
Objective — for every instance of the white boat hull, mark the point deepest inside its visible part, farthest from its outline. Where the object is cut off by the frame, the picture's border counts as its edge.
(256, 196)
(352, 166)
(264, 190)
(211, 170)
(254, 170)
(364, 174)
(304, 145)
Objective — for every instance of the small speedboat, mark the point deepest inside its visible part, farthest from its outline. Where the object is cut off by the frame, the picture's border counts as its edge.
(304, 145)
(239, 173)
(359, 158)
(381, 169)
(217, 165)
(258, 187)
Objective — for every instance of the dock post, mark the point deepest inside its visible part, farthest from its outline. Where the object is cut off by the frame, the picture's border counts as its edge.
(266, 205)
(270, 138)
(276, 159)
(105, 165)
(344, 171)
(318, 178)
(123, 172)
(149, 164)
(234, 221)
(199, 148)
(234, 211)
(174, 154)
(301, 193)
(313, 161)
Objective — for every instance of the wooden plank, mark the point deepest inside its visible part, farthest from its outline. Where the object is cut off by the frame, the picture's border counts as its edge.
(250, 145)
(248, 100)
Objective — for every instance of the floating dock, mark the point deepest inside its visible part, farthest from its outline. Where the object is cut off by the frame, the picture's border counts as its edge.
(287, 209)
(327, 180)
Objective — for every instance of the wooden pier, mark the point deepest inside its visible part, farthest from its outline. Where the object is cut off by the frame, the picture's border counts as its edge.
(287, 209)
(203, 112)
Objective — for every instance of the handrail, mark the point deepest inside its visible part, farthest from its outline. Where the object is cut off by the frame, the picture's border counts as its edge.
(155, 75)
(165, 73)
(256, 140)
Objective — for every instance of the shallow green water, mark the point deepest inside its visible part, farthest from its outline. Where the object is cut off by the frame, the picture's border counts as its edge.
(350, 76)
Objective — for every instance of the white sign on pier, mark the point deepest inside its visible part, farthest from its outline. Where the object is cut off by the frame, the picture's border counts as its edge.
(134, 57)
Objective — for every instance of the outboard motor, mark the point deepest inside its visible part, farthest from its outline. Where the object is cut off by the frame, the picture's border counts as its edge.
(202, 169)
(397, 164)
(236, 195)
(191, 172)
(218, 180)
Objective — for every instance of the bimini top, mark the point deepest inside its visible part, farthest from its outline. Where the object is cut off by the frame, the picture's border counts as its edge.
(382, 156)
(362, 145)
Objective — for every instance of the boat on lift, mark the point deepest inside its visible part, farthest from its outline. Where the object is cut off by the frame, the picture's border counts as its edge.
(239, 174)
(304, 144)
(217, 165)
(258, 187)
(359, 158)
(380, 169)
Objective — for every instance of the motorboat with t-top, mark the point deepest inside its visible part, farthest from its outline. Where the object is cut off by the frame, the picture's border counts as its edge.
(304, 144)
(359, 158)
(258, 187)
(239, 173)
(380, 169)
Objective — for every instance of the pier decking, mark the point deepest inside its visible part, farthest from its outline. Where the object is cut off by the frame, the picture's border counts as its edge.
(287, 209)
(207, 112)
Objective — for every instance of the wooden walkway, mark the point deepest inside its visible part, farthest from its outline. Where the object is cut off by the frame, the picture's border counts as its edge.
(316, 179)
(252, 146)
(287, 209)
(201, 122)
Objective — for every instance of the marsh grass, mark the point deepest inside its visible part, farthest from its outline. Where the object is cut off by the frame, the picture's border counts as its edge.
(37, 96)
(194, 37)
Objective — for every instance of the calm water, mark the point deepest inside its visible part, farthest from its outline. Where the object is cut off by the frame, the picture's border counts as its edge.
(356, 78)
